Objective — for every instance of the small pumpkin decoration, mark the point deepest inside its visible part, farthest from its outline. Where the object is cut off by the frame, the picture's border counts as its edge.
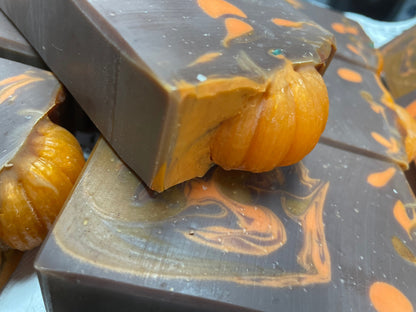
(36, 183)
(39, 160)
(282, 129)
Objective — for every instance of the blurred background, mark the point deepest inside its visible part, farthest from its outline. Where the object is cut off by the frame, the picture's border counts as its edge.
(382, 10)
(382, 20)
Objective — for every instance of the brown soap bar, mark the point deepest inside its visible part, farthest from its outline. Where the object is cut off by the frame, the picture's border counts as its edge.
(362, 116)
(39, 160)
(334, 225)
(399, 70)
(353, 44)
(27, 94)
(14, 46)
(158, 77)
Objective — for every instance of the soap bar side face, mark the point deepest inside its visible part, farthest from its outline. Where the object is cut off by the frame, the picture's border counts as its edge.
(14, 46)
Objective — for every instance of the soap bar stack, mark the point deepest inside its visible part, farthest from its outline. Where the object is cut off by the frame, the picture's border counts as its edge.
(310, 236)
(33, 150)
(158, 78)
(399, 76)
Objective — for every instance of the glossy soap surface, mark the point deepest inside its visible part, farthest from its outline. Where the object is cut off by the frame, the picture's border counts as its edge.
(362, 116)
(230, 240)
(157, 77)
(179, 41)
(13, 45)
(27, 94)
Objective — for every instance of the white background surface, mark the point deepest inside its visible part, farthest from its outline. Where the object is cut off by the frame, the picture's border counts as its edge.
(22, 293)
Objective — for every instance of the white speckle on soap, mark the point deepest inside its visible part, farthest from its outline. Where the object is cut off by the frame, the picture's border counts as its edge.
(201, 77)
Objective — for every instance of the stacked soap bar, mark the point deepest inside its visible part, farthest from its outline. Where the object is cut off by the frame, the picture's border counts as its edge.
(333, 225)
(399, 69)
(26, 95)
(353, 44)
(13, 45)
(362, 117)
(399, 76)
(29, 96)
(157, 78)
(333, 232)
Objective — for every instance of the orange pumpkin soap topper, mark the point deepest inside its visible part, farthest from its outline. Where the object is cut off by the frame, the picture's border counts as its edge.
(39, 160)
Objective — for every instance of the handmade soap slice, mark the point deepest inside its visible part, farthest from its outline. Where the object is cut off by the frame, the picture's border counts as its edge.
(39, 160)
(14, 46)
(334, 225)
(158, 77)
(363, 116)
(353, 44)
(400, 58)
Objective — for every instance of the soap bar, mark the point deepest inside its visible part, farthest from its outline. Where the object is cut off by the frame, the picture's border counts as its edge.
(14, 46)
(27, 94)
(157, 77)
(363, 114)
(335, 224)
(353, 44)
(399, 59)
(39, 160)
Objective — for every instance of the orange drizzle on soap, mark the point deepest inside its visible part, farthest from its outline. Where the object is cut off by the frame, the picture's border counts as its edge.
(205, 58)
(259, 231)
(295, 3)
(287, 23)
(314, 255)
(14, 83)
(349, 75)
(380, 179)
(411, 109)
(235, 28)
(406, 221)
(391, 145)
(218, 8)
(353, 49)
(378, 109)
(406, 122)
(403, 250)
(387, 298)
(344, 29)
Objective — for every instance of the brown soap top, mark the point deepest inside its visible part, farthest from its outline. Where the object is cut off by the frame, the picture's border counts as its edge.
(158, 78)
